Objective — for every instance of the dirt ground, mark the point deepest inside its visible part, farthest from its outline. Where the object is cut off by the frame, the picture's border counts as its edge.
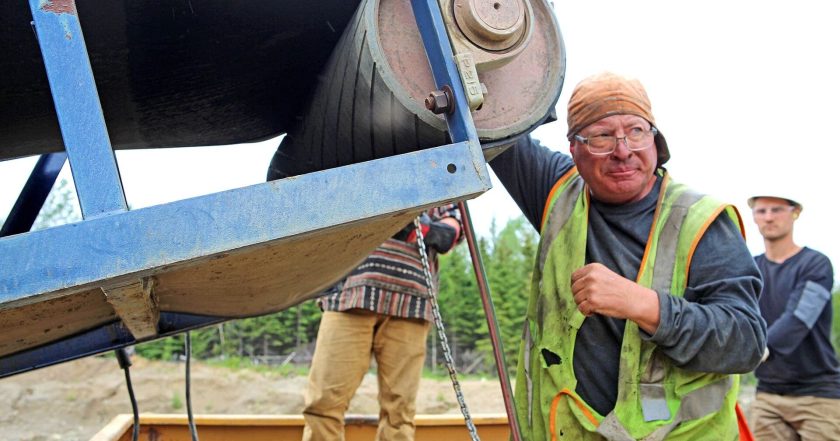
(74, 400)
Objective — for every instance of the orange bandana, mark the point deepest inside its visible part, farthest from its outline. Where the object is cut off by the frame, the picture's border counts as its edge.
(606, 94)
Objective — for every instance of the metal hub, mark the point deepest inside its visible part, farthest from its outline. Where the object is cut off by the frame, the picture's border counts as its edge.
(494, 25)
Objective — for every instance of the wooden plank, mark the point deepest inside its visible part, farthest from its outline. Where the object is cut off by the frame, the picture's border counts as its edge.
(137, 305)
(39, 323)
(271, 277)
(115, 429)
(252, 281)
(491, 427)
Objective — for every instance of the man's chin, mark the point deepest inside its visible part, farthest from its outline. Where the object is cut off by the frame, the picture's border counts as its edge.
(772, 235)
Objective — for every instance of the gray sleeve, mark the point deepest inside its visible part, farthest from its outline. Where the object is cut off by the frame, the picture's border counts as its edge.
(811, 304)
(716, 326)
(528, 171)
(788, 331)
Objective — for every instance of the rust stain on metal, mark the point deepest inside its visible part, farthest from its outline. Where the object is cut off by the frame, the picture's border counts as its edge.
(59, 6)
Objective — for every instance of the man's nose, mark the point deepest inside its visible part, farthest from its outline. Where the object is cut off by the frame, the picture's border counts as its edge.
(622, 150)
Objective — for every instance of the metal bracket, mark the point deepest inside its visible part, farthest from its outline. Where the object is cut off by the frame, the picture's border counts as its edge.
(485, 36)
(137, 305)
(469, 78)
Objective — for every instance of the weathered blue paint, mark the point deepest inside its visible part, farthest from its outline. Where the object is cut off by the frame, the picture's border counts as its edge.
(105, 338)
(33, 194)
(461, 128)
(77, 104)
(75, 256)
(445, 71)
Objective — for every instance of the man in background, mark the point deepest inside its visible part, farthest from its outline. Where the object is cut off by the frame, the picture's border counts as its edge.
(799, 383)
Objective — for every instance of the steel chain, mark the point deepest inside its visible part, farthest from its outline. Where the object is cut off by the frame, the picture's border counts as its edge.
(444, 342)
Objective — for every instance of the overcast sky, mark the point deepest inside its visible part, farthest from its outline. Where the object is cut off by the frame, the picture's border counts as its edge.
(746, 93)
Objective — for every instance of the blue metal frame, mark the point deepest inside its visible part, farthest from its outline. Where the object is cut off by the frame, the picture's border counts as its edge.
(33, 194)
(461, 128)
(445, 71)
(114, 242)
(77, 104)
(45, 264)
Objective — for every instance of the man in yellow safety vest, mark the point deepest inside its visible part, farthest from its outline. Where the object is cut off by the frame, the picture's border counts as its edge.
(644, 297)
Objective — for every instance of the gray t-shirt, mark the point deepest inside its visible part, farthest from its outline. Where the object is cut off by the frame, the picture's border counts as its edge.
(714, 327)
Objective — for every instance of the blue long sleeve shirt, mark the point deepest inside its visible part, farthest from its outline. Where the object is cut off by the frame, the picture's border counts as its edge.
(796, 302)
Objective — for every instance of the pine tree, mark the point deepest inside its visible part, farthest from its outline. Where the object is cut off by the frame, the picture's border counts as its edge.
(460, 305)
(508, 269)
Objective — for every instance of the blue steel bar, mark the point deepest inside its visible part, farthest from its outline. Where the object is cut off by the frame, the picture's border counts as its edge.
(102, 339)
(77, 104)
(33, 194)
(68, 258)
(439, 51)
(461, 128)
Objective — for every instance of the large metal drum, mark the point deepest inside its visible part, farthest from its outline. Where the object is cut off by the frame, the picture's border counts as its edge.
(370, 99)
(173, 73)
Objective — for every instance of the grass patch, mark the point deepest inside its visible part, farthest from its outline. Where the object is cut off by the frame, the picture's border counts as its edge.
(442, 374)
(239, 363)
(175, 402)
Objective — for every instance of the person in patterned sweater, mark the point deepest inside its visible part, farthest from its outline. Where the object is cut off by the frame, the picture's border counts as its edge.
(382, 308)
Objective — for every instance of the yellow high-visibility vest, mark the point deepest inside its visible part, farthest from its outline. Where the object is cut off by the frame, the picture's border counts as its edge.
(656, 400)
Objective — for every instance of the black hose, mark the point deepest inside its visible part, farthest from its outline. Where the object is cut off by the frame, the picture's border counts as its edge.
(125, 362)
(188, 350)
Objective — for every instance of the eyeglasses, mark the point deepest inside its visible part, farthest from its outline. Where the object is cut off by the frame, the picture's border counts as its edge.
(774, 210)
(637, 139)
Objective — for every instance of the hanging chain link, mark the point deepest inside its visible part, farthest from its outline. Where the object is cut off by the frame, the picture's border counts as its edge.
(444, 342)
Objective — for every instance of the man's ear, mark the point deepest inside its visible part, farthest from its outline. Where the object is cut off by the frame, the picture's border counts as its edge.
(572, 149)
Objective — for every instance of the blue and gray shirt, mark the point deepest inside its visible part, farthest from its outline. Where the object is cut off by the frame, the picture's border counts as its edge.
(796, 303)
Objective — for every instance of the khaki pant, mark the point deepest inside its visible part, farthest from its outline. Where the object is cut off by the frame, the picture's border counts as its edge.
(345, 343)
(781, 417)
